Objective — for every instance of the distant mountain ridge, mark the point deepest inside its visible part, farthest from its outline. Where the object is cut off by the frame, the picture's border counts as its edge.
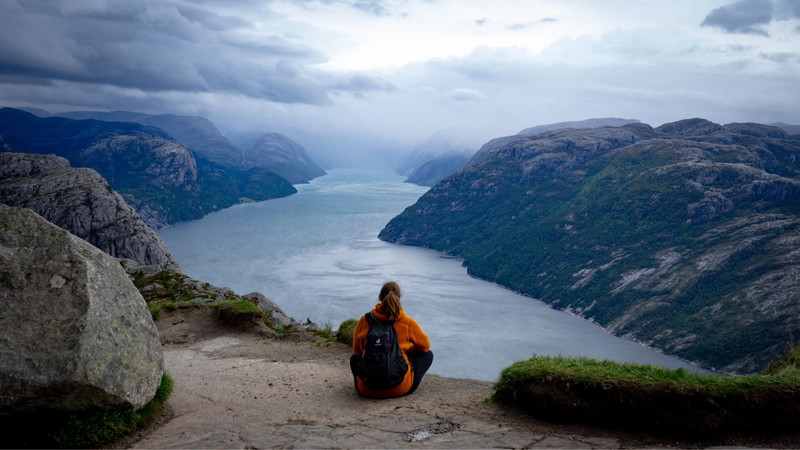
(447, 151)
(791, 129)
(685, 237)
(588, 123)
(155, 174)
(496, 143)
(198, 133)
(283, 156)
(273, 151)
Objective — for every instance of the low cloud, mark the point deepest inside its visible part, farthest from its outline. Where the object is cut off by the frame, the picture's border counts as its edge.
(371, 7)
(465, 95)
(526, 25)
(783, 57)
(364, 82)
(752, 16)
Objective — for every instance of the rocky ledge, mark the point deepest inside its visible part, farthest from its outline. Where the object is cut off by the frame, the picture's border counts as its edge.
(239, 389)
(80, 201)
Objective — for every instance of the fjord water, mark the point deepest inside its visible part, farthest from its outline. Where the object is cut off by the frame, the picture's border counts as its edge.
(317, 255)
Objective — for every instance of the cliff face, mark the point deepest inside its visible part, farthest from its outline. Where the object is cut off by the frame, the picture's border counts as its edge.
(499, 142)
(81, 202)
(156, 175)
(685, 237)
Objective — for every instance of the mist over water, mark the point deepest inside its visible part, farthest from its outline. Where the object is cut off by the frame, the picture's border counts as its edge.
(317, 255)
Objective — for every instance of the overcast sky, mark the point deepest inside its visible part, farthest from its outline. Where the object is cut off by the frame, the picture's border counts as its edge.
(364, 73)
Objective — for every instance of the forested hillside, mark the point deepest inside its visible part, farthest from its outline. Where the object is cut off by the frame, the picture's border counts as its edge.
(685, 237)
(158, 176)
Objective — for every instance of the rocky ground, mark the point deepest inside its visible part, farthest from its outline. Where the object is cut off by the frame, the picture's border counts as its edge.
(244, 389)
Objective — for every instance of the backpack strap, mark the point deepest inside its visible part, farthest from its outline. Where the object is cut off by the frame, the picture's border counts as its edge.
(372, 320)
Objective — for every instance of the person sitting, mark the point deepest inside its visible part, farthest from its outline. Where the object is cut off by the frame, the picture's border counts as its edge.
(413, 343)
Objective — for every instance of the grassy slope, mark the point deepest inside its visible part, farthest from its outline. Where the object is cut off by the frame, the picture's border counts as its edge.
(671, 402)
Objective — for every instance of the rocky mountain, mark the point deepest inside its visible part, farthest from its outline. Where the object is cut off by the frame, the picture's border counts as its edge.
(155, 174)
(499, 142)
(272, 151)
(283, 156)
(685, 237)
(81, 202)
(197, 133)
(447, 151)
(588, 123)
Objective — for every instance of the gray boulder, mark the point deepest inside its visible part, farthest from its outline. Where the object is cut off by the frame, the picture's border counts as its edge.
(74, 331)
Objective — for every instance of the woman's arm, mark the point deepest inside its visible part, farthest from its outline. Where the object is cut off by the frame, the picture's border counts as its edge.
(419, 340)
(360, 336)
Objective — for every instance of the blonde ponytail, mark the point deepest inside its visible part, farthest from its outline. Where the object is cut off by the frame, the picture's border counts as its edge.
(390, 299)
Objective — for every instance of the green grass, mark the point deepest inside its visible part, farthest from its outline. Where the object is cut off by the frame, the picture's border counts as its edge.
(789, 364)
(82, 430)
(674, 402)
(156, 307)
(173, 293)
(346, 330)
(326, 332)
(242, 306)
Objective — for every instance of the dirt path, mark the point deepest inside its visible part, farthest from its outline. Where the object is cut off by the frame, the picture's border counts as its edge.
(242, 390)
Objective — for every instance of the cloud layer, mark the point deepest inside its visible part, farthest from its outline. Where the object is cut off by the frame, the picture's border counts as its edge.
(752, 16)
(377, 75)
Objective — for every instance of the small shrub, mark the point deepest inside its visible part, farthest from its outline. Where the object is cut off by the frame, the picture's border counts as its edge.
(786, 365)
(155, 310)
(165, 276)
(346, 330)
(325, 332)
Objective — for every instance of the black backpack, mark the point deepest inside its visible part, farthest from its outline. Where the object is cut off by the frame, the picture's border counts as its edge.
(382, 365)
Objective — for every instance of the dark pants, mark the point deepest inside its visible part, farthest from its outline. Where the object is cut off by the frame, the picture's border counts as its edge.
(420, 363)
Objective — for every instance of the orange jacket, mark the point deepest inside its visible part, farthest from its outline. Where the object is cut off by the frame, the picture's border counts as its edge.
(411, 339)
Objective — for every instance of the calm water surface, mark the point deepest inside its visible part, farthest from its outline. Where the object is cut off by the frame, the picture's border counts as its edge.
(317, 255)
